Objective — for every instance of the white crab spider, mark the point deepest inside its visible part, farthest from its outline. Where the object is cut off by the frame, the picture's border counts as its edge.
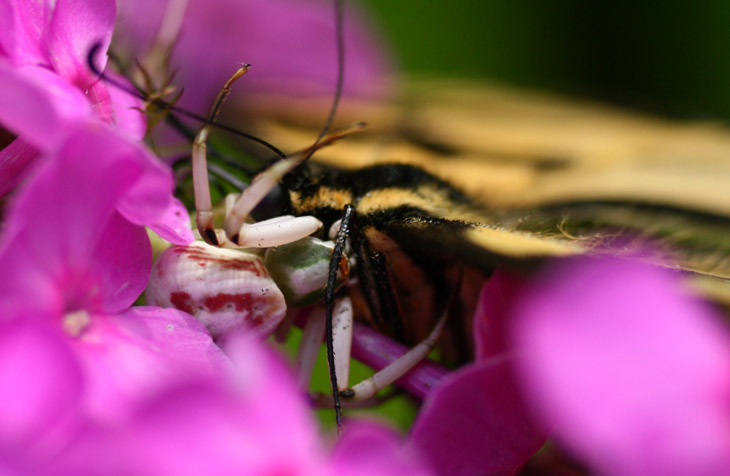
(239, 233)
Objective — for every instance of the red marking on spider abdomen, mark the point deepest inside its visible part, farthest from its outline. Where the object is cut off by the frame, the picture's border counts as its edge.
(254, 265)
(182, 301)
(219, 301)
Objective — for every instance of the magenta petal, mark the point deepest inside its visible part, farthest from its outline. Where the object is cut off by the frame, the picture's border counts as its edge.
(150, 199)
(106, 277)
(8, 41)
(190, 430)
(38, 105)
(88, 176)
(133, 356)
(100, 100)
(128, 112)
(15, 163)
(122, 263)
(492, 314)
(368, 449)
(175, 224)
(76, 26)
(55, 226)
(138, 24)
(634, 373)
(268, 382)
(41, 385)
(259, 426)
(475, 423)
(289, 42)
(181, 337)
(23, 27)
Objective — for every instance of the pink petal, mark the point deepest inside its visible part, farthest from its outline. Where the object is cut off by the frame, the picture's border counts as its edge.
(41, 385)
(108, 276)
(101, 102)
(132, 357)
(369, 449)
(129, 117)
(260, 426)
(88, 176)
(267, 382)
(179, 336)
(189, 430)
(175, 224)
(39, 106)
(23, 28)
(54, 231)
(76, 26)
(290, 43)
(634, 373)
(475, 423)
(150, 201)
(138, 24)
(492, 314)
(15, 164)
(121, 262)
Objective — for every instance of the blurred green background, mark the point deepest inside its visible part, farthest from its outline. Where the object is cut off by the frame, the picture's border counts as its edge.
(670, 57)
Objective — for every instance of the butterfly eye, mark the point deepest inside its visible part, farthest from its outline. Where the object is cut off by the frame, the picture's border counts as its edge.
(271, 206)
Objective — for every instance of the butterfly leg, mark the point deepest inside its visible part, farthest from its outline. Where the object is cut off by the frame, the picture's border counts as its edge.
(342, 324)
(334, 267)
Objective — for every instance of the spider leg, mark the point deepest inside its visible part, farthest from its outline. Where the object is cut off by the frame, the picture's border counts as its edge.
(203, 205)
(237, 230)
(312, 334)
(369, 387)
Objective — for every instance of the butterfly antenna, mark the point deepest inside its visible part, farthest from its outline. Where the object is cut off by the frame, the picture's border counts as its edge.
(340, 39)
(135, 91)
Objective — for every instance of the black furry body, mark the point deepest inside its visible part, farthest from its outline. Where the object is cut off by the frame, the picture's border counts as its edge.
(407, 257)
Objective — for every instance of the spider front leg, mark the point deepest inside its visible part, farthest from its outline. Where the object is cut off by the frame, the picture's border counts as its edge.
(265, 234)
(278, 231)
(201, 187)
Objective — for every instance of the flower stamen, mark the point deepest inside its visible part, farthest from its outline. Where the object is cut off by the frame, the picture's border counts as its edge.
(75, 322)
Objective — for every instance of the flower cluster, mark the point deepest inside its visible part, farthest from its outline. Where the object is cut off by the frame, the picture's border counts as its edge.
(610, 360)
(91, 382)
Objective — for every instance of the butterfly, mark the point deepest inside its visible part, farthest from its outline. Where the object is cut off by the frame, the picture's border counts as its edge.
(461, 179)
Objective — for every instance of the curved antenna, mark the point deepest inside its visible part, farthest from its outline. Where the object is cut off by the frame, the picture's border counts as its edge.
(340, 39)
(165, 105)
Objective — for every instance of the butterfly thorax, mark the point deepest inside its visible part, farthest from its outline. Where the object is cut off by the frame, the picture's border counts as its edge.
(406, 277)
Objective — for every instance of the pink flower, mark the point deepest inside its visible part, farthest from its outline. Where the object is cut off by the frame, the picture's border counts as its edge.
(633, 372)
(476, 421)
(46, 82)
(42, 385)
(75, 257)
(257, 424)
(290, 43)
